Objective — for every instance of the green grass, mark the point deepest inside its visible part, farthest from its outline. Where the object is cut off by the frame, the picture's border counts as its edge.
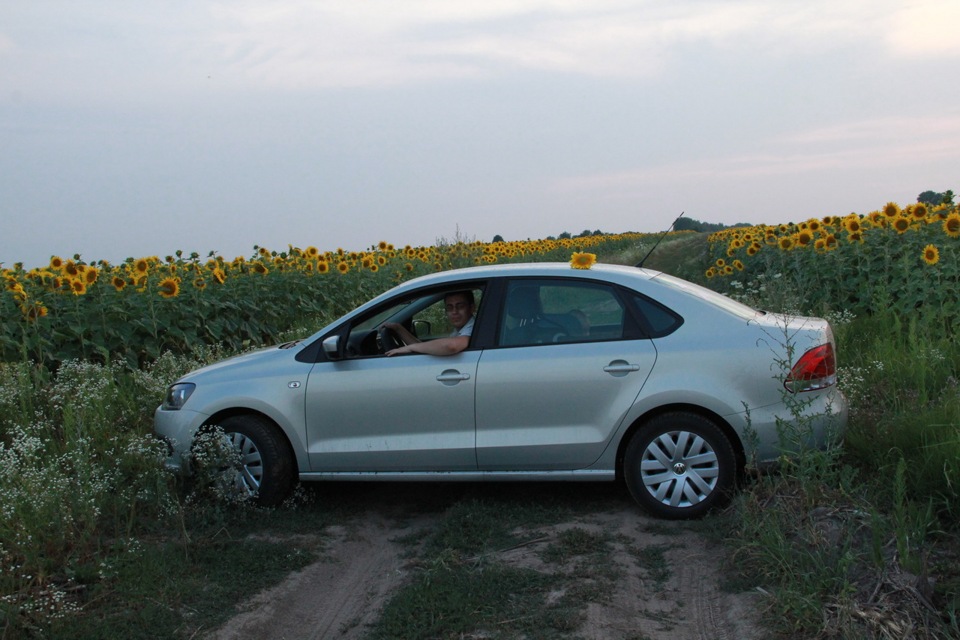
(464, 587)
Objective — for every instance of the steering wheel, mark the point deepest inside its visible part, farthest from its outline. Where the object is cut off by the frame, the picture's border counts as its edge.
(387, 339)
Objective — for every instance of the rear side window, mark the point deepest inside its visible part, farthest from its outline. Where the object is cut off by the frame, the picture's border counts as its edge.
(556, 311)
(658, 320)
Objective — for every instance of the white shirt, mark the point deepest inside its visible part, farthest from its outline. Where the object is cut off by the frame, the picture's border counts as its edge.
(465, 330)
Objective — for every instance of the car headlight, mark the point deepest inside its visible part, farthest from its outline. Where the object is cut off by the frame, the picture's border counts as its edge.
(177, 395)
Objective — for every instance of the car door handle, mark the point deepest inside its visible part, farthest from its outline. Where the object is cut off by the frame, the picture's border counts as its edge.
(621, 368)
(451, 375)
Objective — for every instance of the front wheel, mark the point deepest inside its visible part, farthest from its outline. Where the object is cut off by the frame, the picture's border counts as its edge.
(680, 465)
(265, 467)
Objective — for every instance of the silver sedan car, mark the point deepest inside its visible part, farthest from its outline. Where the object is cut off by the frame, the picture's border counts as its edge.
(596, 374)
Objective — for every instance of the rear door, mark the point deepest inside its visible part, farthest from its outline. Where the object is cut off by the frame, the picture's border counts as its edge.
(571, 362)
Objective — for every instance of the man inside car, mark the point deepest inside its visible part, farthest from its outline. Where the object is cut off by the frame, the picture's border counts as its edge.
(459, 307)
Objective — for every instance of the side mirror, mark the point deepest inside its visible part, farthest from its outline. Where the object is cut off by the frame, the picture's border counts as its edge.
(422, 328)
(331, 347)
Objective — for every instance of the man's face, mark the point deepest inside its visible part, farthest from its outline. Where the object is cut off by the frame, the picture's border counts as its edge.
(459, 309)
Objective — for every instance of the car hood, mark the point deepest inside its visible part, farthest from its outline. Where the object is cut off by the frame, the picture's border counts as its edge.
(243, 365)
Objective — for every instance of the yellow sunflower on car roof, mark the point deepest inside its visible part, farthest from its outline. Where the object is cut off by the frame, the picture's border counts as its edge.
(583, 260)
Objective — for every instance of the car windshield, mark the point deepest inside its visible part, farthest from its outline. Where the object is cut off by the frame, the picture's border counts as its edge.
(382, 316)
(716, 299)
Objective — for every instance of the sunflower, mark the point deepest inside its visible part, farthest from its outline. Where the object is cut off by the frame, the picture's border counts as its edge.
(323, 266)
(583, 260)
(738, 265)
(199, 283)
(931, 255)
(918, 211)
(118, 283)
(804, 238)
(56, 263)
(786, 243)
(711, 272)
(34, 311)
(169, 288)
(78, 287)
(901, 224)
(90, 275)
(852, 225)
(218, 275)
(312, 252)
(71, 269)
(16, 289)
(951, 226)
(343, 267)
(891, 210)
(258, 267)
(721, 262)
(141, 266)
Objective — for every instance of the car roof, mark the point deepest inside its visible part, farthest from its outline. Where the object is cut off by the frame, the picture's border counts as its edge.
(612, 272)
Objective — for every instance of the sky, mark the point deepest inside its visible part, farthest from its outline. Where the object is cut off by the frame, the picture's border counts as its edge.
(132, 129)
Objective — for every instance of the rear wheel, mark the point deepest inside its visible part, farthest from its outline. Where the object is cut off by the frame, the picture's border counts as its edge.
(680, 465)
(265, 467)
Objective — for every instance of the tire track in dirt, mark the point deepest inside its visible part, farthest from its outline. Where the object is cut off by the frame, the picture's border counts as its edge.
(336, 597)
(666, 586)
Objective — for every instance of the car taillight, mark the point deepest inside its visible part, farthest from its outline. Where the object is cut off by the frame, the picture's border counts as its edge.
(816, 369)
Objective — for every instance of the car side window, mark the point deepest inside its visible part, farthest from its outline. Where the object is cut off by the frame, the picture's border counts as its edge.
(559, 311)
(434, 322)
(423, 315)
(660, 321)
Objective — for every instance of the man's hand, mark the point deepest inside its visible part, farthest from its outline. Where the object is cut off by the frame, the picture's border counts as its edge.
(438, 347)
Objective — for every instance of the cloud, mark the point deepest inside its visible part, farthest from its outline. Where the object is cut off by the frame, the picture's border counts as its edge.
(376, 43)
(925, 29)
(125, 50)
(861, 145)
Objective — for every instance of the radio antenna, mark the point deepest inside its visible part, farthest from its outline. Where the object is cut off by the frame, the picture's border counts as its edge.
(657, 243)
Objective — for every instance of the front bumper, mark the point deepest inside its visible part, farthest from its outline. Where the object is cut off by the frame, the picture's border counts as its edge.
(178, 430)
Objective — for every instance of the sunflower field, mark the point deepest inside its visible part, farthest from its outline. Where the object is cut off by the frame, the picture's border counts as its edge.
(892, 259)
(137, 310)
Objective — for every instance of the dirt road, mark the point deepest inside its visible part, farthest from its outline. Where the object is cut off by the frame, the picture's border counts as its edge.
(368, 559)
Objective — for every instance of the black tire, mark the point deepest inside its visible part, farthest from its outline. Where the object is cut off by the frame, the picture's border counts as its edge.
(680, 465)
(266, 472)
